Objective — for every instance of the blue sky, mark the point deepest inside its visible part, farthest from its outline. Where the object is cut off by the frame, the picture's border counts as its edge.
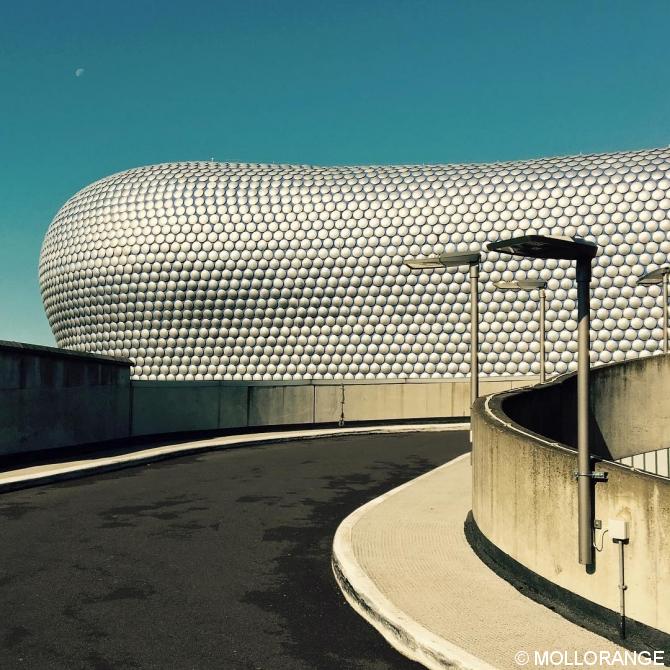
(340, 82)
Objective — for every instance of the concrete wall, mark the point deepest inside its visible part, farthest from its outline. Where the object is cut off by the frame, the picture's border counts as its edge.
(630, 405)
(54, 398)
(163, 407)
(629, 410)
(525, 495)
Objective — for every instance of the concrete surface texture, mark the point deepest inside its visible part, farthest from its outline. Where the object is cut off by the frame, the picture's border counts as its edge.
(406, 566)
(58, 398)
(216, 560)
(210, 405)
(525, 502)
(52, 398)
(629, 412)
(630, 405)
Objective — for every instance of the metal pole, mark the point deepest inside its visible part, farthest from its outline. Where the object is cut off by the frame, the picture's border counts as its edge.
(622, 591)
(543, 298)
(585, 501)
(666, 327)
(474, 333)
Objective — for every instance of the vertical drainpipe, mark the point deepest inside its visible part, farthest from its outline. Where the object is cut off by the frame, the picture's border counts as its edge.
(666, 330)
(543, 311)
(131, 402)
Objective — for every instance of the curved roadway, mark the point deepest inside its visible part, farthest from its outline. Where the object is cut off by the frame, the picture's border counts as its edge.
(220, 560)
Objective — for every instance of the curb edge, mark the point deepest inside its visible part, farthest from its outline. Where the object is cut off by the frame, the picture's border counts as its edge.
(77, 469)
(402, 632)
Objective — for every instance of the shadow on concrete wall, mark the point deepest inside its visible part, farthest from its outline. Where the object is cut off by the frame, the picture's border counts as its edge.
(525, 494)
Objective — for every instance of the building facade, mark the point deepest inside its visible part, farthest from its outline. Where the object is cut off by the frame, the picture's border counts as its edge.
(204, 270)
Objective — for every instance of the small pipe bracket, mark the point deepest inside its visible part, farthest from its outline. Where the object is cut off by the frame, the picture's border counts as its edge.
(595, 476)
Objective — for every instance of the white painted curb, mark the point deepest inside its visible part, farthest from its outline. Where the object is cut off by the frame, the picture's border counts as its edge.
(44, 474)
(402, 632)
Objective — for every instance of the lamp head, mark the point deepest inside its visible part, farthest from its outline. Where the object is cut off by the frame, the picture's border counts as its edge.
(654, 277)
(520, 285)
(445, 260)
(546, 246)
(430, 263)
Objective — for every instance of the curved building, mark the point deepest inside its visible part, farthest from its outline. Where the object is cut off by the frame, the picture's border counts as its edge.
(206, 270)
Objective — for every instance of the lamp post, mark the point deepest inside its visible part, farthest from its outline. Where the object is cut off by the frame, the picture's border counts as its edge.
(531, 285)
(452, 260)
(583, 252)
(660, 276)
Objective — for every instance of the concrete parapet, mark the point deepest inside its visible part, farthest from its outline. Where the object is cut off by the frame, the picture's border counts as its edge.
(629, 412)
(56, 398)
(172, 407)
(164, 407)
(525, 495)
(630, 405)
(280, 405)
(53, 398)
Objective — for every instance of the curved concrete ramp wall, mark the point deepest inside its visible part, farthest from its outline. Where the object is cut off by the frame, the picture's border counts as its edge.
(525, 494)
(631, 405)
(629, 408)
(164, 407)
(58, 398)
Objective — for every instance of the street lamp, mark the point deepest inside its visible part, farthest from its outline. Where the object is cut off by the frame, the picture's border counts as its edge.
(452, 260)
(659, 276)
(583, 252)
(531, 285)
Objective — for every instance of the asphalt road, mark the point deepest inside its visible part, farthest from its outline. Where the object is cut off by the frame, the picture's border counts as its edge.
(220, 560)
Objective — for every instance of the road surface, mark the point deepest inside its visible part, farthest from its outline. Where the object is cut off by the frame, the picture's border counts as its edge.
(220, 560)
